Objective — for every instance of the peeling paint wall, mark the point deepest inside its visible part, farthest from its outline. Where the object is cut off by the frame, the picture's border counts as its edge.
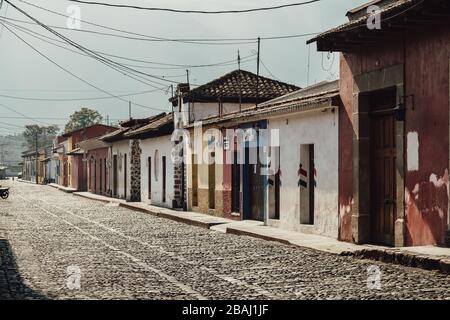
(425, 55)
(412, 151)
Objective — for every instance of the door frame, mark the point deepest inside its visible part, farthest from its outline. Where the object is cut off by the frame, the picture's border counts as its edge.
(361, 210)
(376, 236)
(115, 175)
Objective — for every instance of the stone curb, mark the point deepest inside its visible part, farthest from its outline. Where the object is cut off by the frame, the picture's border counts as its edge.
(61, 188)
(134, 208)
(239, 232)
(83, 196)
(404, 258)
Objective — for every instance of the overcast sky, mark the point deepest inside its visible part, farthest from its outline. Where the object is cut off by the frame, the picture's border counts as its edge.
(25, 73)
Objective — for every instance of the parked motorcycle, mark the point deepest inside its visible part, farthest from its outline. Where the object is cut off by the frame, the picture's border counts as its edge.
(4, 193)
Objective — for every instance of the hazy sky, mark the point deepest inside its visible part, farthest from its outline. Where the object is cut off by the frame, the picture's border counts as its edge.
(24, 73)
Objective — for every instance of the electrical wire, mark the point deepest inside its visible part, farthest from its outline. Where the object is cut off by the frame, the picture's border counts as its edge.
(73, 99)
(135, 77)
(23, 115)
(297, 4)
(156, 38)
(245, 59)
(74, 75)
(111, 63)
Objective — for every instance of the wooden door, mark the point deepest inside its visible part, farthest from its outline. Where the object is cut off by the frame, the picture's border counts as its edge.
(256, 190)
(212, 183)
(125, 175)
(235, 184)
(149, 177)
(164, 178)
(383, 182)
(95, 176)
(115, 175)
(101, 175)
(194, 181)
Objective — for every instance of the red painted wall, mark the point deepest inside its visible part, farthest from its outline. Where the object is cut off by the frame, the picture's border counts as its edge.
(425, 54)
(77, 165)
(93, 157)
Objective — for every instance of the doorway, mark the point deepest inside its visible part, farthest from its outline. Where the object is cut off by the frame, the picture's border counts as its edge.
(149, 165)
(235, 184)
(383, 154)
(115, 175)
(125, 175)
(194, 181)
(212, 181)
(164, 179)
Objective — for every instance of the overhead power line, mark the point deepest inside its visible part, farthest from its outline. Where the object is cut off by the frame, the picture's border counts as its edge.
(71, 73)
(23, 115)
(297, 4)
(231, 41)
(74, 99)
(111, 63)
(171, 66)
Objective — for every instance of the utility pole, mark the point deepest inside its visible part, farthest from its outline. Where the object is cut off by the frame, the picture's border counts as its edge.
(107, 119)
(257, 72)
(129, 109)
(36, 155)
(239, 60)
(187, 76)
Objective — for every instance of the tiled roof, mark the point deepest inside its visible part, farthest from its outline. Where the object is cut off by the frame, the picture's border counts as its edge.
(239, 84)
(115, 135)
(153, 127)
(130, 125)
(68, 134)
(302, 100)
(361, 22)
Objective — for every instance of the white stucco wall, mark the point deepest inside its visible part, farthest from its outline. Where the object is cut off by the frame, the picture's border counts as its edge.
(121, 148)
(202, 110)
(197, 111)
(320, 129)
(164, 147)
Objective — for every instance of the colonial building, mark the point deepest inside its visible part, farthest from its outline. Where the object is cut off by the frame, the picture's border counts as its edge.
(76, 170)
(234, 93)
(394, 126)
(152, 166)
(125, 159)
(98, 162)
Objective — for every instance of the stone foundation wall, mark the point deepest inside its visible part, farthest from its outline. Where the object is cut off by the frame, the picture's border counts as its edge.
(178, 186)
(135, 193)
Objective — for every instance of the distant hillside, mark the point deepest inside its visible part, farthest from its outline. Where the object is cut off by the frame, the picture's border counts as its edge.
(11, 148)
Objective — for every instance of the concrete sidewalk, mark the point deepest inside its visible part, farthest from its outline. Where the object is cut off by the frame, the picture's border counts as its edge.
(65, 189)
(426, 257)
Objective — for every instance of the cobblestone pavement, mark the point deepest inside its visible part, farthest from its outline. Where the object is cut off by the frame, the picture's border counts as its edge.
(123, 254)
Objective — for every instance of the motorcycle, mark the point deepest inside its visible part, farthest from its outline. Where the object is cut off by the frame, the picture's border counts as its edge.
(4, 193)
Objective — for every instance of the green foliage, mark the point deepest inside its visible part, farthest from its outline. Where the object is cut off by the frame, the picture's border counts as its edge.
(85, 117)
(41, 135)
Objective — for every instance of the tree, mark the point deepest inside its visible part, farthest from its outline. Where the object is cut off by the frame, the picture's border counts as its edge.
(83, 118)
(41, 135)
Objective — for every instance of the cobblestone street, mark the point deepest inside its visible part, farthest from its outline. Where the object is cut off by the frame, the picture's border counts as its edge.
(129, 255)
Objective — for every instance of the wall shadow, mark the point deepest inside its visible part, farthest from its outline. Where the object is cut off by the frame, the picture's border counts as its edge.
(12, 285)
